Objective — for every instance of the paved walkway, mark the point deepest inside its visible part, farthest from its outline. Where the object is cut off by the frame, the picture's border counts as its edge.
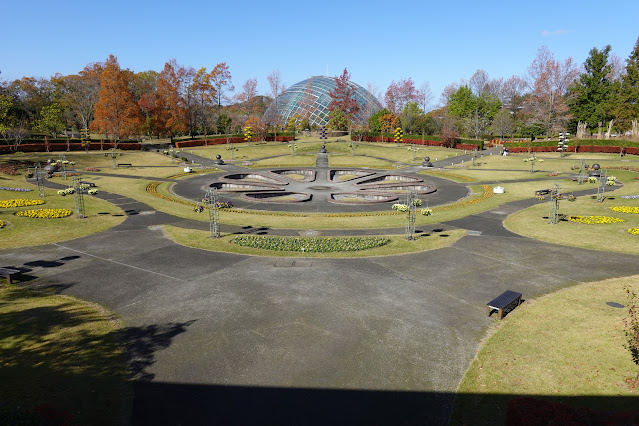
(225, 338)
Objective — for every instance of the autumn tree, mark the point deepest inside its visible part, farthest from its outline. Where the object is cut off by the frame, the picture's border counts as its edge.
(425, 95)
(257, 126)
(204, 95)
(116, 113)
(387, 123)
(512, 94)
(399, 94)
(277, 87)
(343, 100)
(550, 80)
(79, 93)
(169, 109)
(503, 124)
(221, 80)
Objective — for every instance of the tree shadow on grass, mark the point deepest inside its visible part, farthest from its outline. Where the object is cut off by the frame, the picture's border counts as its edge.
(66, 358)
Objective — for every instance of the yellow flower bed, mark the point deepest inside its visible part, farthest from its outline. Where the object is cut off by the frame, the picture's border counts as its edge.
(633, 231)
(625, 209)
(594, 220)
(20, 202)
(45, 213)
(1, 224)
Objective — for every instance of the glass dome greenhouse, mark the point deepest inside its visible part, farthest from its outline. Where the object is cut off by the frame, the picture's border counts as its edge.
(310, 99)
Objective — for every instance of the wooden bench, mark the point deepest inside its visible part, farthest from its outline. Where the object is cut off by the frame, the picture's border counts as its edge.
(503, 301)
(543, 192)
(124, 165)
(7, 272)
(91, 184)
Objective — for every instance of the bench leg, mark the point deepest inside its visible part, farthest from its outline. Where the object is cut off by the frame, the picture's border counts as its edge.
(8, 277)
(488, 309)
(500, 313)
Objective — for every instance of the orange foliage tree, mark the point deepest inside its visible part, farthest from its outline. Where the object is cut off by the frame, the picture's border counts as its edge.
(169, 110)
(116, 113)
(257, 126)
(388, 123)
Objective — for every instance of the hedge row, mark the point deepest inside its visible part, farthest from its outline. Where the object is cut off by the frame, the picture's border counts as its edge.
(40, 147)
(459, 145)
(224, 140)
(581, 148)
(581, 142)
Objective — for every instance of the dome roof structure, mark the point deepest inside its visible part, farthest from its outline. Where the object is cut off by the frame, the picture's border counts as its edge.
(310, 99)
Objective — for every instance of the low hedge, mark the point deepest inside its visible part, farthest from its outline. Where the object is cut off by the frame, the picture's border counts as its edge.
(221, 140)
(573, 143)
(461, 144)
(73, 146)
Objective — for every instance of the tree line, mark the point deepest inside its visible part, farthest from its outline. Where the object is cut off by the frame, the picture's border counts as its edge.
(600, 97)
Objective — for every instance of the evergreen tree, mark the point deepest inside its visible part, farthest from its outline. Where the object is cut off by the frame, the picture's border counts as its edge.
(629, 90)
(593, 93)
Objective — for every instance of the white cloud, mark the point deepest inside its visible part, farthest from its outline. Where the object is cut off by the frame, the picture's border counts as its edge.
(547, 33)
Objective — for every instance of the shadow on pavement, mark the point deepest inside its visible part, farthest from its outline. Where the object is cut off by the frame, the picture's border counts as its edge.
(188, 404)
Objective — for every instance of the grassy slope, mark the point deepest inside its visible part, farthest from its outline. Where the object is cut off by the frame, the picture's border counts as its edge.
(566, 344)
(60, 351)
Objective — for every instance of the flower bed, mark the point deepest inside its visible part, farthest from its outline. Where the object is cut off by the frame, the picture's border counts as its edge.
(633, 231)
(629, 197)
(45, 213)
(625, 209)
(9, 169)
(67, 191)
(311, 245)
(1, 224)
(594, 220)
(5, 188)
(91, 169)
(20, 202)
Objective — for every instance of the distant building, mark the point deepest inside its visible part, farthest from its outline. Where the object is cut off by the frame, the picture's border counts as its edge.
(310, 99)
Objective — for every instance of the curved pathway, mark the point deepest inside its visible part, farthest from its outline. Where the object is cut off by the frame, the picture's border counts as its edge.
(225, 338)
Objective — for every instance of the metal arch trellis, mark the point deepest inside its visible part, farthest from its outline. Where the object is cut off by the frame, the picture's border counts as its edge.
(79, 199)
(582, 172)
(410, 215)
(214, 212)
(39, 180)
(555, 196)
(601, 189)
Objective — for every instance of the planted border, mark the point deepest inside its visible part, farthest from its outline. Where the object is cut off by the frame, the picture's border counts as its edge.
(311, 244)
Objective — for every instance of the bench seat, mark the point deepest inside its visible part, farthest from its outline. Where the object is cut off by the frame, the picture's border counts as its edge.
(503, 301)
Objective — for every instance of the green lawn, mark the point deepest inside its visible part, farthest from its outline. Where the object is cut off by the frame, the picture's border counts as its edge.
(566, 346)
(62, 353)
(533, 222)
(24, 231)
(398, 245)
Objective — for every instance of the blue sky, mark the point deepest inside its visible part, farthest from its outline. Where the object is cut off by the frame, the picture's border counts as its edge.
(378, 41)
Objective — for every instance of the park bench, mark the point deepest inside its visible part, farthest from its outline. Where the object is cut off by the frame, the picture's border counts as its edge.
(7, 272)
(124, 165)
(91, 184)
(543, 192)
(500, 303)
